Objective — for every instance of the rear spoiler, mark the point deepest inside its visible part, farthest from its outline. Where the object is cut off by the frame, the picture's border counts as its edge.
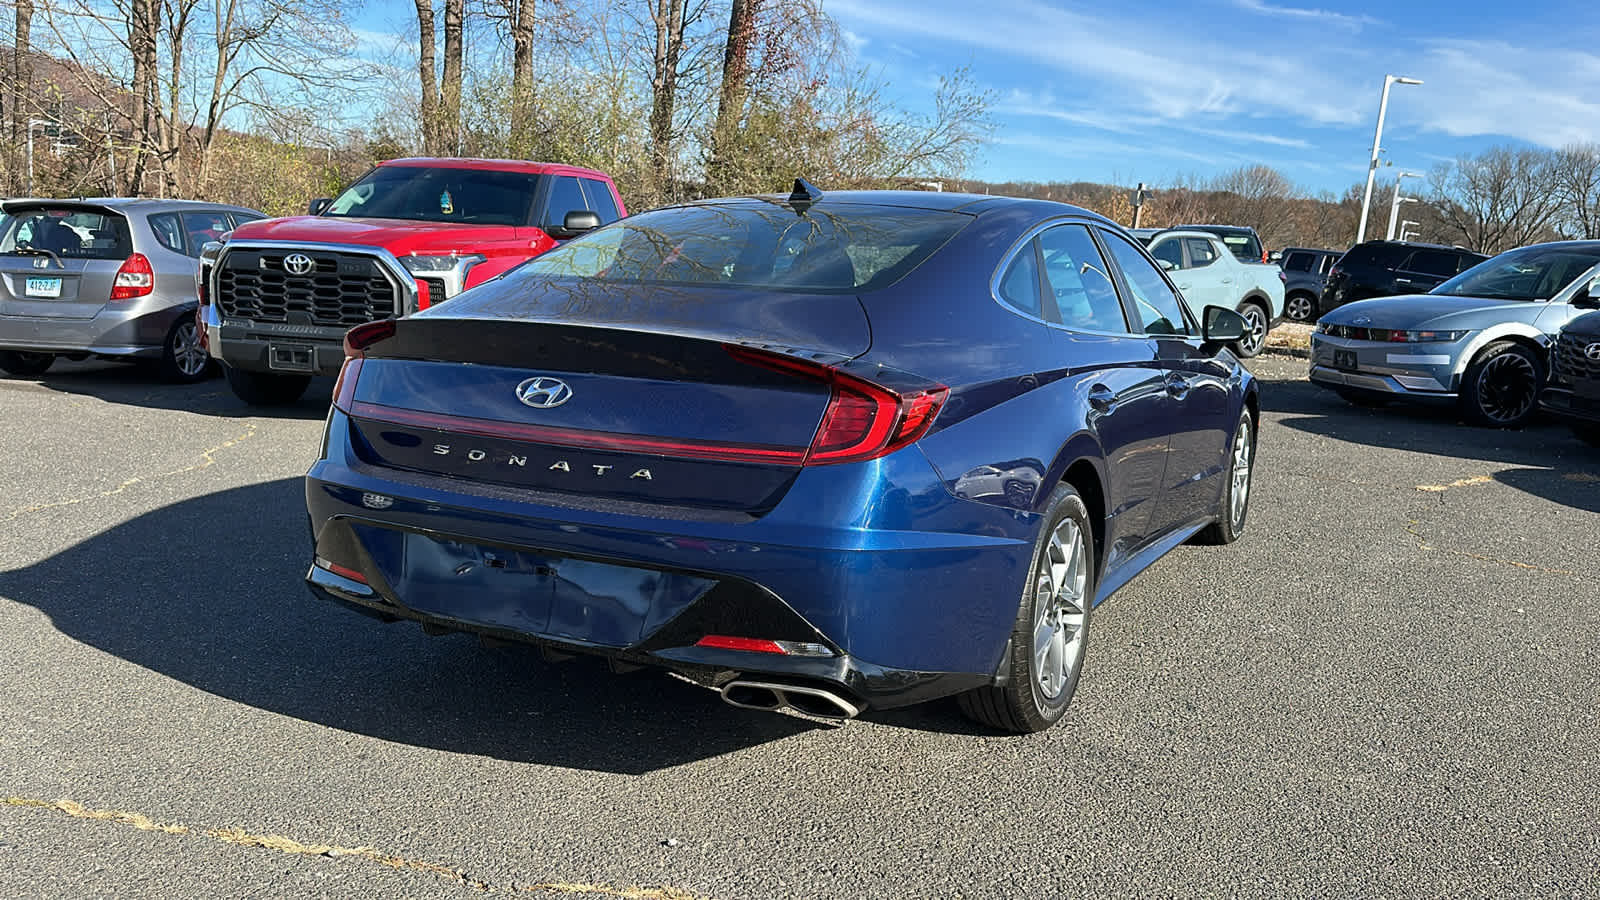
(15, 205)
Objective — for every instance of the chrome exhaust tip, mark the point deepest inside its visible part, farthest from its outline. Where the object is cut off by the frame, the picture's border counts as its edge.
(816, 702)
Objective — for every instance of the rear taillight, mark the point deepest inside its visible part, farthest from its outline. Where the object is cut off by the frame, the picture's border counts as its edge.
(762, 645)
(864, 420)
(134, 279)
(356, 342)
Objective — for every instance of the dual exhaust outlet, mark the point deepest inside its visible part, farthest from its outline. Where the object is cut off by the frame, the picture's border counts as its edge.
(817, 702)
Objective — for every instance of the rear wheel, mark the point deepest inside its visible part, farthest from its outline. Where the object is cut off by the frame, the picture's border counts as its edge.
(183, 360)
(24, 364)
(265, 388)
(1501, 387)
(1255, 331)
(1048, 639)
(1235, 501)
(1300, 307)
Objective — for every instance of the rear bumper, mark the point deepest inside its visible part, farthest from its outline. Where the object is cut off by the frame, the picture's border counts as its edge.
(111, 333)
(908, 613)
(254, 346)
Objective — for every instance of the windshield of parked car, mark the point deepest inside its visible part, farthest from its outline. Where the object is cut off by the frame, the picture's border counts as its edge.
(1530, 273)
(836, 248)
(434, 194)
(68, 233)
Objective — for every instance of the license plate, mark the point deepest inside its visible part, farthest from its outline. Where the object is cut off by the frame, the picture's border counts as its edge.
(49, 288)
(1344, 359)
(292, 357)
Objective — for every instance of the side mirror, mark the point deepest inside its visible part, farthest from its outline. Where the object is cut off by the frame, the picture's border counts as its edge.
(319, 206)
(1275, 256)
(1166, 265)
(1221, 325)
(578, 221)
(1589, 299)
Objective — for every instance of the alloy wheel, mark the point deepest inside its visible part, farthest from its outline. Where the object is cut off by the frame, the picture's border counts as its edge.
(1298, 308)
(1243, 452)
(1508, 387)
(1060, 608)
(187, 354)
(1255, 336)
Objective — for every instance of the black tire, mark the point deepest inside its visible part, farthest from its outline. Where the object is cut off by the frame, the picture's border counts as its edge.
(183, 360)
(1257, 321)
(265, 388)
(23, 364)
(1300, 307)
(1024, 705)
(1357, 397)
(1588, 432)
(1501, 387)
(1230, 521)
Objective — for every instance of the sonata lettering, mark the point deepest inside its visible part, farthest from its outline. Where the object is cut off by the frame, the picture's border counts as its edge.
(475, 454)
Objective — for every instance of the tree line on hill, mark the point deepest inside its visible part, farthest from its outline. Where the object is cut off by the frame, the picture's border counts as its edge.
(268, 103)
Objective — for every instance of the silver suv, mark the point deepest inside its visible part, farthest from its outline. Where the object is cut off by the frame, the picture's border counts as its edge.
(107, 278)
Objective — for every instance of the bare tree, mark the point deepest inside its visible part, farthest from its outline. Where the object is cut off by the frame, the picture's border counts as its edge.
(426, 43)
(21, 72)
(521, 15)
(735, 84)
(669, 18)
(1502, 198)
(1577, 172)
(450, 87)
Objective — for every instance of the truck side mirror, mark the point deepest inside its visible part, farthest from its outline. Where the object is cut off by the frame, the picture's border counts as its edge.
(578, 221)
(319, 206)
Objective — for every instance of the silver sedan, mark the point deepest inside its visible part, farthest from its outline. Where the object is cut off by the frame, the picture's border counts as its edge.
(106, 278)
(1480, 340)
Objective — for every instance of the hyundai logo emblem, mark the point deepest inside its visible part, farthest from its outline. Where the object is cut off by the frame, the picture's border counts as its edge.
(298, 264)
(544, 392)
(1593, 352)
(1361, 320)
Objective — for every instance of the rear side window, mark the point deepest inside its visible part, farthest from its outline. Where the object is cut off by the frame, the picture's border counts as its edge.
(1200, 252)
(1168, 251)
(203, 227)
(832, 248)
(1019, 287)
(1298, 262)
(1383, 256)
(1077, 275)
(601, 201)
(168, 231)
(1434, 262)
(68, 233)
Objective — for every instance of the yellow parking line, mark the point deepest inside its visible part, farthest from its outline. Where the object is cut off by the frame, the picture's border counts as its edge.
(240, 838)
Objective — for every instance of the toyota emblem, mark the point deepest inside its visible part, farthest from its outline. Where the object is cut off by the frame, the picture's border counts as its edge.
(298, 264)
(544, 392)
(1593, 352)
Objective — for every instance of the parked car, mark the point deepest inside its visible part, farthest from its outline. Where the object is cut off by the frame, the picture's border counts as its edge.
(1573, 392)
(1208, 275)
(111, 278)
(1392, 268)
(728, 438)
(1306, 274)
(1480, 339)
(280, 294)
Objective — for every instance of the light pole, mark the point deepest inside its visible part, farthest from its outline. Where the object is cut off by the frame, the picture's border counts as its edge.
(1372, 167)
(32, 124)
(1405, 229)
(1394, 203)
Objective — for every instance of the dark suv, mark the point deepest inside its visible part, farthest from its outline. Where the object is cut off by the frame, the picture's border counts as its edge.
(1240, 239)
(1390, 268)
(1574, 388)
(1306, 273)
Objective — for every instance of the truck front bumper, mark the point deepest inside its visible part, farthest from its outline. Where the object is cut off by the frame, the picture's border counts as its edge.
(271, 347)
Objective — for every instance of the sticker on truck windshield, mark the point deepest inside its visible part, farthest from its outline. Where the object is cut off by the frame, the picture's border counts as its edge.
(447, 204)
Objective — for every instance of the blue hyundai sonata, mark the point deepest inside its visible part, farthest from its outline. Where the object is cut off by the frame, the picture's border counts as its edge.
(822, 453)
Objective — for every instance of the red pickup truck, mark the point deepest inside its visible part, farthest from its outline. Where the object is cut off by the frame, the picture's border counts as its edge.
(277, 296)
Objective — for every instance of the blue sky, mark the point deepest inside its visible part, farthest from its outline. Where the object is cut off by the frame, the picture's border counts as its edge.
(1140, 90)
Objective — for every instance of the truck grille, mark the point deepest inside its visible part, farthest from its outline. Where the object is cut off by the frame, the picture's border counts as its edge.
(342, 289)
(1571, 362)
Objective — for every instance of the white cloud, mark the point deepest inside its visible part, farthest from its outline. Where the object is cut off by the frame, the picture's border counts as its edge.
(1535, 94)
(1314, 16)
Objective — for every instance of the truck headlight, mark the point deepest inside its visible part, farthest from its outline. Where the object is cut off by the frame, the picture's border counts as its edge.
(434, 265)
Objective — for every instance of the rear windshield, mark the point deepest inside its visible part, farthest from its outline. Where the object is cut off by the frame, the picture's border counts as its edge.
(1531, 273)
(466, 196)
(67, 233)
(836, 249)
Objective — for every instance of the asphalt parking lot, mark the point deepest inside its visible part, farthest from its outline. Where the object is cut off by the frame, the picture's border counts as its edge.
(1388, 687)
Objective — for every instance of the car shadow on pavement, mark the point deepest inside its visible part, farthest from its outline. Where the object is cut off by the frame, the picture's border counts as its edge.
(131, 385)
(1552, 463)
(209, 591)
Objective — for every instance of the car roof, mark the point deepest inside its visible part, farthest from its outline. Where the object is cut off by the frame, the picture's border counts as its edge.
(944, 201)
(495, 165)
(1238, 228)
(145, 205)
(1421, 245)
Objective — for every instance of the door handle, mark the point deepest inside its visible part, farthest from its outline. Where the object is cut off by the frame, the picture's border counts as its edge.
(1227, 281)
(1101, 398)
(1402, 281)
